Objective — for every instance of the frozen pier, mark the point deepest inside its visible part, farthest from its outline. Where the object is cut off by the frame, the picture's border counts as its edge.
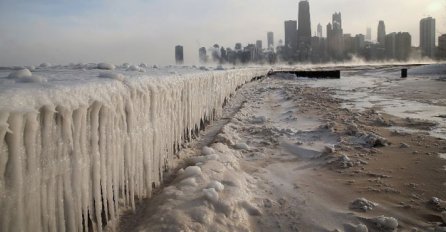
(78, 143)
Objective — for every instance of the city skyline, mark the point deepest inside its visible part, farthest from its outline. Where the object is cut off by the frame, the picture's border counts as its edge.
(145, 31)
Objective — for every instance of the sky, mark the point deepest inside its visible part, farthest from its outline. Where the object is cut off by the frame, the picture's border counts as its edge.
(135, 31)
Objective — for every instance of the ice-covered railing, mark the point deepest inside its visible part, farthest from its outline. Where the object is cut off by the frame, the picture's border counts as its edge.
(72, 154)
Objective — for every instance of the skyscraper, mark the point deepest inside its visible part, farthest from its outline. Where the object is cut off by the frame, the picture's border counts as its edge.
(304, 26)
(270, 39)
(381, 33)
(202, 55)
(291, 35)
(442, 46)
(319, 30)
(179, 58)
(304, 31)
(427, 37)
(368, 35)
(335, 40)
(259, 45)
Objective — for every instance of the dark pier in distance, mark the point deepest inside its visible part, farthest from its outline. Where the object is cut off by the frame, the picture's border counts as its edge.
(329, 74)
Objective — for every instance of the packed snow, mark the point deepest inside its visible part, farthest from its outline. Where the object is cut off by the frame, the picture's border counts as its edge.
(80, 147)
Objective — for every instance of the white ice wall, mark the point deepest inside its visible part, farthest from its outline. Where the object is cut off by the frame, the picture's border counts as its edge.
(65, 161)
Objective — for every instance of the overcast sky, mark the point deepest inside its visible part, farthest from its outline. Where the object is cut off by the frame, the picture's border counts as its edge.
(134, 31)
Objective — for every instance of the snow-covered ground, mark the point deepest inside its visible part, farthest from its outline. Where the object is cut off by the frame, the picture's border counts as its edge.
(80, 142)
(267, 168)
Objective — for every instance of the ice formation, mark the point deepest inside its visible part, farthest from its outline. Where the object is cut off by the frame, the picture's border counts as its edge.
(24, 75)
(72, 155)
(115, 76)
(106, 66)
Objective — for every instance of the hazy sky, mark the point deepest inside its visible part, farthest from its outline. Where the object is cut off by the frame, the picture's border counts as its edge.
(134, 31)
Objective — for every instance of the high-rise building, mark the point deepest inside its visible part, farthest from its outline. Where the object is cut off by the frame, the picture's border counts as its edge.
(398, 46)
(337, 21)
(291, 35)
(304, 22)
(202, 55)
(179, 57)
(368, 35)
(270, 39)
(335, 42)
(238, 46)
(441, 51)
(319, 30)
(259, 45)
(427, 37)
(304, 31)
(381, 33)
(359, 43)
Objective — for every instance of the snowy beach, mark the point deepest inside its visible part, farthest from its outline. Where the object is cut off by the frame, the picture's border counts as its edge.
(297, 154)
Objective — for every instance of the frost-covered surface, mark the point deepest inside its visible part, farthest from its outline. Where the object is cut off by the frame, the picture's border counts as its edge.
(78, 147)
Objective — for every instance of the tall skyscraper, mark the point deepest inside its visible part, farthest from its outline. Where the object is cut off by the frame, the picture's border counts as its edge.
(270, 39)
(427, 37)
(259, 45)
(381, 33)
(337, 21)
(442, 46)
(319, 30)
(368, 35)
(179, 57)
(304, 26)
(291, 35)
(202, 55)
(398, 45)
(335, 40)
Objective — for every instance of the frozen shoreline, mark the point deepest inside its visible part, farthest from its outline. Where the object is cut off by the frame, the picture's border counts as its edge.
(304, 163)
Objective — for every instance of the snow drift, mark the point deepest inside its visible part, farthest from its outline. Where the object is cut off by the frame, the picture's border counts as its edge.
(72, 156)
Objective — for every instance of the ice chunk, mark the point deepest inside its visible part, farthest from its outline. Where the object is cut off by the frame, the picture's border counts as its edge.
(362, 204)
(216, 185)
(207, 151)
(386, 223)
(211, 194)
(110, 75)
(45, 65)
(191, 181)
(106, 66)
(361, 228)
(242, 146)
(135, 68)
(25, 75)
(191, 171)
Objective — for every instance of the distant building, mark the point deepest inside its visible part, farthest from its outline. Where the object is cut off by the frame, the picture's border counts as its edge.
(442, 47)
(304, 26)
(270, 40)
(179, 57)
(349, 44)
(291, 34)
(368, 34)
(319, 30)
(259, 45)
(427, 37)
(359, 43)
(202, 55)
(335, 42)
(238, 46)
(381, 33)
(398, 46)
